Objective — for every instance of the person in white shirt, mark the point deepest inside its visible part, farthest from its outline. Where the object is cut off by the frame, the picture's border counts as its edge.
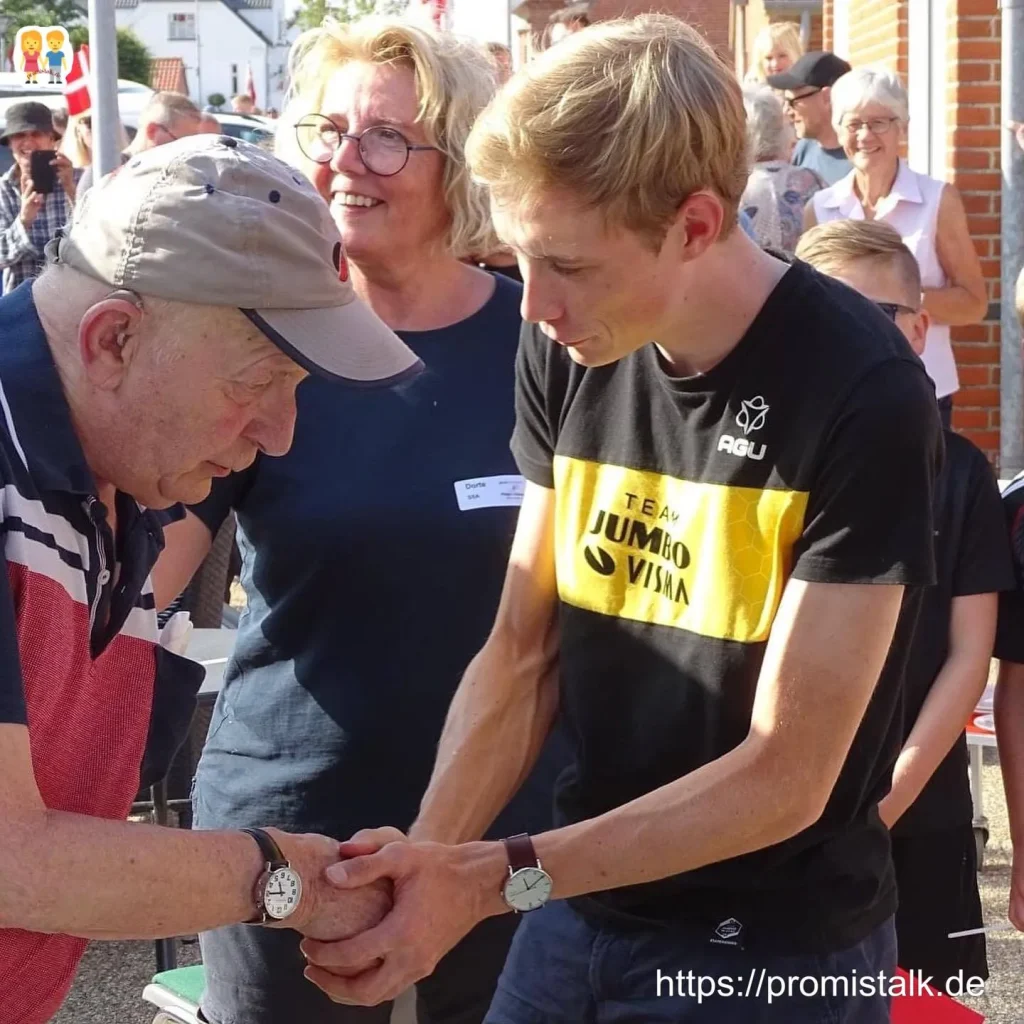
(869, 112)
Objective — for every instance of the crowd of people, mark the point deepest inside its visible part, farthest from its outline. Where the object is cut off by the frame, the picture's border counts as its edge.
(675, 681)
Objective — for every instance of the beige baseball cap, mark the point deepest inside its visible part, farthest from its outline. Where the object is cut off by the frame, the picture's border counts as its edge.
(216, 221)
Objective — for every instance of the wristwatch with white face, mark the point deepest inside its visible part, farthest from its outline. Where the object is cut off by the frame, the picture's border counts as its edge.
(528, 886)
(278, 890)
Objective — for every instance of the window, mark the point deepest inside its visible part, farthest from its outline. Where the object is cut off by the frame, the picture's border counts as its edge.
(234, 79)
(181, 26)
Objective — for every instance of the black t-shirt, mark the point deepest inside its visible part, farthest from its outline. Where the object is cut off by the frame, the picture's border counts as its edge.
(972, 556)
(373, 559)
(1010, 633)
(683, 506)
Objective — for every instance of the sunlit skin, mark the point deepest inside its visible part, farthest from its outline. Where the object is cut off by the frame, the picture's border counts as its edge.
(406, 214)
(881, 283)
(776, 61)
(602, 291)
(161, 425)
(866, 150)
(811, 114)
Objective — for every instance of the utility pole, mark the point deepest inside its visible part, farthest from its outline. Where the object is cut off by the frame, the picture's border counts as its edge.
(1011, 388)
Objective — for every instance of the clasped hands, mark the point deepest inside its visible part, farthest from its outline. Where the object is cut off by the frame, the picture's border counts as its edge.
(378, 919)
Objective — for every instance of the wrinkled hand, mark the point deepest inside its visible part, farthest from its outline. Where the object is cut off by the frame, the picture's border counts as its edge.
(440, 893)
(326, 912)
(1016, 908)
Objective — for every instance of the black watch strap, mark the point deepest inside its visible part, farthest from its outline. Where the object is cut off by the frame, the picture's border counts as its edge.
(271, 851)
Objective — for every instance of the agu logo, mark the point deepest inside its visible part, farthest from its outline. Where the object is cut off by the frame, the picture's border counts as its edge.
(752, 416)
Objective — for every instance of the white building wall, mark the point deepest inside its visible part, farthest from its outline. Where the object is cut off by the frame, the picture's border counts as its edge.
(224, 39)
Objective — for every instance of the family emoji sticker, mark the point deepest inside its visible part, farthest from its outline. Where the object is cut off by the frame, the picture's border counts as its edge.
(43, 50)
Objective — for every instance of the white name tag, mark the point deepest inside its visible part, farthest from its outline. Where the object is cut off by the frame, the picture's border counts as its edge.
(489, 492)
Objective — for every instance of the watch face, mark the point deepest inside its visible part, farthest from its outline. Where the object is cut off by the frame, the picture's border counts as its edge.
(282, 892)
(527, 889)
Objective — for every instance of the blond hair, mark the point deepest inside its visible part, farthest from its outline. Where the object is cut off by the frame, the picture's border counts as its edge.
(455, 79)
(630, 117)
(73, 145)
(782, 34)
(834, 245)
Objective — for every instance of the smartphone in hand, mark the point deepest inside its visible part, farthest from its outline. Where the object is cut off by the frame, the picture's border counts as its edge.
(44, 176)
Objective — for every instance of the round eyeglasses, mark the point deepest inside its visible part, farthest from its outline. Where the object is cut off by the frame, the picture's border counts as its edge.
(384, 151)
(875, 125)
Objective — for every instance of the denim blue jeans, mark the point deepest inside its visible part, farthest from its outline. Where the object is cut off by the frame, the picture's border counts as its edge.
(562, 969)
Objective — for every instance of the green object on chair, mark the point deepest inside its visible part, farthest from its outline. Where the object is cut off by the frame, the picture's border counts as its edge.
(177, 994)
(184, 982)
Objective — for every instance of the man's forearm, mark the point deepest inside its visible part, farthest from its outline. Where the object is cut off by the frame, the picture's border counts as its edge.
(496, 727)
(1009, 715)
(108, 879)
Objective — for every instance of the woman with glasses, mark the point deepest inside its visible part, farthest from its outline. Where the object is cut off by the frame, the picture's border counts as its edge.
(869, 111)
(374, 551)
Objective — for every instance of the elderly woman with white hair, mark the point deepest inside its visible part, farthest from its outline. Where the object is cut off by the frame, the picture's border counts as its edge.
(776, 191)
(375, 551)
(869, 111)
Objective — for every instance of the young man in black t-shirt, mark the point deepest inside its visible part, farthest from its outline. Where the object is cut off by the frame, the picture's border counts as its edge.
(928, 810)
(727, 519)
(1009, 701)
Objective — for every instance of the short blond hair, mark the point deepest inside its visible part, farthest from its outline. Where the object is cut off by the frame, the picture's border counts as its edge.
(455, 79)
(630, 117)
(782, 34)
(834, 245)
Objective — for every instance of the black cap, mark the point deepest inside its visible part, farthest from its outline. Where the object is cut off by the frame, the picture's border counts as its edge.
(818, 68)
(27, 117)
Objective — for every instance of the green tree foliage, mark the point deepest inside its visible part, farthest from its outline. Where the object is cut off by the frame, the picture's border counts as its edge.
(311, 13)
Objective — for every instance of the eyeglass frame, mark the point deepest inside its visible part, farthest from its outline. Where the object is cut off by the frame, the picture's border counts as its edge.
(791, 101)
(893, 309)
(867, 124)
(358, 140)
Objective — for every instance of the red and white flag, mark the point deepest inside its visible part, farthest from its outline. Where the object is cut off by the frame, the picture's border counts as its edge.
(250, 84)
(76, 83)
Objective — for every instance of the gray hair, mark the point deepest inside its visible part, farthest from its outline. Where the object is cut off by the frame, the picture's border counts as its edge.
(869, 85)
(766, 124)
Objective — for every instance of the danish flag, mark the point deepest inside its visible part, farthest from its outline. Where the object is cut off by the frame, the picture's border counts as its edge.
(76, 83)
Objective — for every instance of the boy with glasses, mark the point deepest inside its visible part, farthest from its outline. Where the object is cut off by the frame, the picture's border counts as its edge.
(807, 85)
(928, 810)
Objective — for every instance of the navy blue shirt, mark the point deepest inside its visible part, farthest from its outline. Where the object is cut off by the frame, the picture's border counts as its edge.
(373, 560)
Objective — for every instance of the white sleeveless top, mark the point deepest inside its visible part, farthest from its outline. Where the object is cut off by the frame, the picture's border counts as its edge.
(912, 209)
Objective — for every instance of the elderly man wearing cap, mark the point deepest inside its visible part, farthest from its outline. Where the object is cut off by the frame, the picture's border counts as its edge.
(161, 348)
(30, 217)
(808, 88)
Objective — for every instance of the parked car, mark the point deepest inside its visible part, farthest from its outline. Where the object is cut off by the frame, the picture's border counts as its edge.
(248, 127)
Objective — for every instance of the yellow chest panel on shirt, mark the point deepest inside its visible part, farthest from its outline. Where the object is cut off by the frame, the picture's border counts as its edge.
(712, 559)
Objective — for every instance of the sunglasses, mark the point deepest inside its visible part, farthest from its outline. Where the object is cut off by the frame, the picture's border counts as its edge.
(893, 309)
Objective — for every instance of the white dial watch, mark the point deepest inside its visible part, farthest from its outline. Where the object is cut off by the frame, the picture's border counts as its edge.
(278, 890)
(528, 886)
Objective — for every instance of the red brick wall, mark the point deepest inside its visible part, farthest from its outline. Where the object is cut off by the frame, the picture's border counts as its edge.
(827, 32)
(973, 133)
(711, 17)
(878, 34)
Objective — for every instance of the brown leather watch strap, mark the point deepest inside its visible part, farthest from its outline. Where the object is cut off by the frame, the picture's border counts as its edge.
(521, 853)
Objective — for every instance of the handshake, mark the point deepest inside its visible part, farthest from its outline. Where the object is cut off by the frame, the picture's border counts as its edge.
(378, 912)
